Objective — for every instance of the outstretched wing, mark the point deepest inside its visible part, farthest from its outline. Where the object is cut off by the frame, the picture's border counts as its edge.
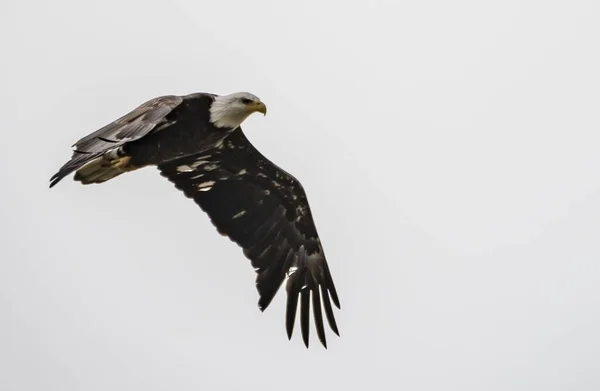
(148, 117)
(265, 211)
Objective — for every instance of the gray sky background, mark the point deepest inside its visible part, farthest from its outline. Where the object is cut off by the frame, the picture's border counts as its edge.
(450, 152)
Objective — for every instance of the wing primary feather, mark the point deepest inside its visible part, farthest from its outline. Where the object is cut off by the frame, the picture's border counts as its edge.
(269, 283)
(304, 314)
(331, 287)
(329, 311)
(291, 308)
(316, 301)
(268, 292)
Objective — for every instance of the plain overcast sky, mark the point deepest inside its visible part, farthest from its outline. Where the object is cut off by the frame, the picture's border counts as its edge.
(451, 156)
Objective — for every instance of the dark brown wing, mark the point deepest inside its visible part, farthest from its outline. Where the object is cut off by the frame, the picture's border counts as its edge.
(148, 117)
(264, 210)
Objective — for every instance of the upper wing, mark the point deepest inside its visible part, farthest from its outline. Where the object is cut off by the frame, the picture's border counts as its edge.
(264, 210)
(148, 117)
(129, 127)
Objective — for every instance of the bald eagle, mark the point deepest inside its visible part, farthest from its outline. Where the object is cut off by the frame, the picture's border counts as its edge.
(197, 143)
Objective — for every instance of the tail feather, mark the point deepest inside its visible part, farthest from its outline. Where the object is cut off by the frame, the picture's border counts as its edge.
(94, 168)
(75, 163)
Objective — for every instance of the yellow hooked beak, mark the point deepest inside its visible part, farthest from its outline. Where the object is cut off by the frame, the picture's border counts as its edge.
(259, 107)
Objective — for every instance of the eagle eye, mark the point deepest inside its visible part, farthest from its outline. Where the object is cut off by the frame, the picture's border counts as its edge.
(246, 101)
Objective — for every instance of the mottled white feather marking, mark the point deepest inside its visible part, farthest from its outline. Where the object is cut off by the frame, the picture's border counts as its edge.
(206, 186)
(291, 271)
(185, 168)
(199, 163)
(239, 214)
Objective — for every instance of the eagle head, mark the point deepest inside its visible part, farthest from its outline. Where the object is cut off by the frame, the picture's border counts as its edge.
(229, 111)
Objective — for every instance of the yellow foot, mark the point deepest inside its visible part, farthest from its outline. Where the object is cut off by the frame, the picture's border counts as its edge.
(122, 163)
